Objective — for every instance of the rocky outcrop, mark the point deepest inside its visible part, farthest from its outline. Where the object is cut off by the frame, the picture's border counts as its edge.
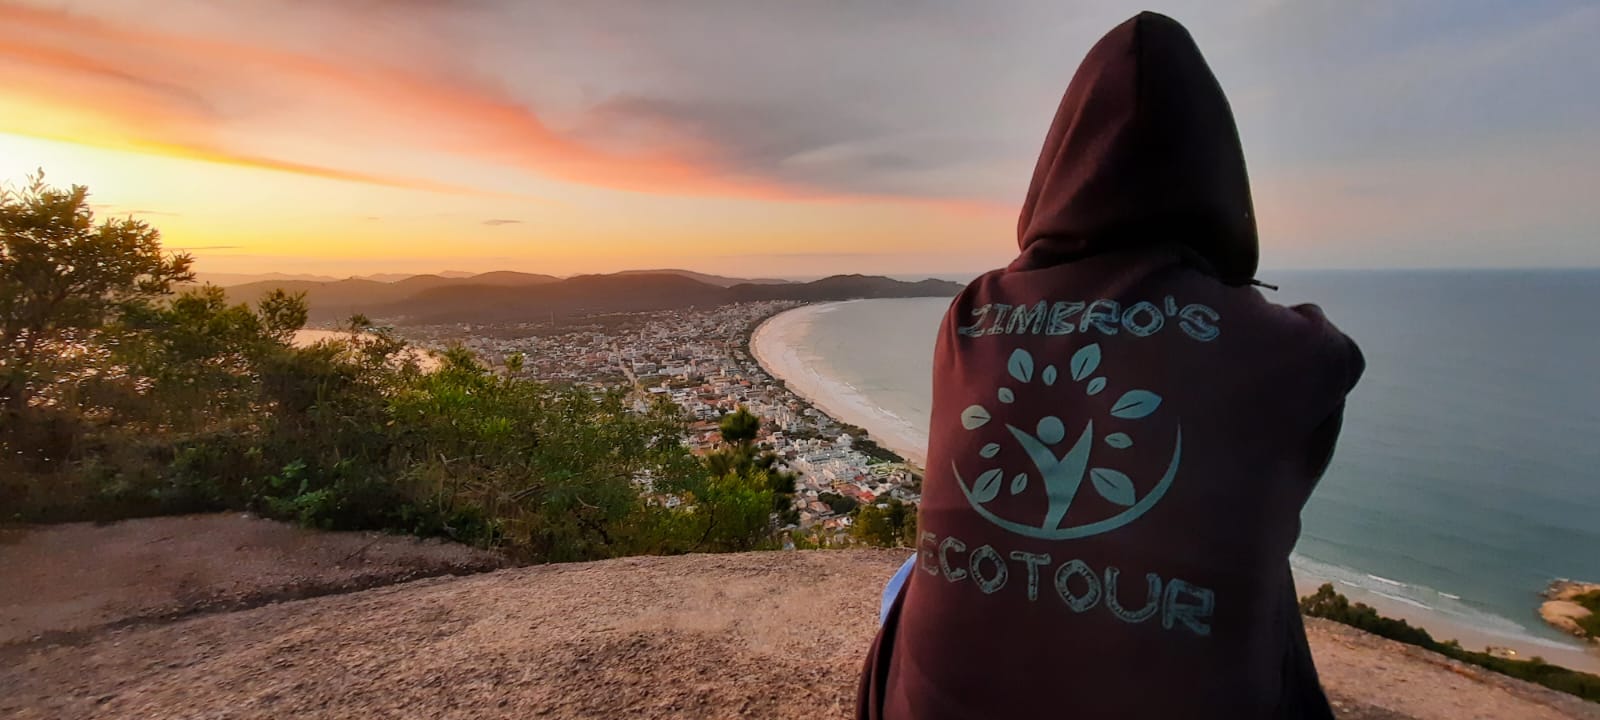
(1560, 610)
(60, 582)
(770, 635)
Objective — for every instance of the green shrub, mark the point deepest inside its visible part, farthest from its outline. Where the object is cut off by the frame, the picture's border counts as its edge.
(120, 398)
(839, 504)
(889, 523)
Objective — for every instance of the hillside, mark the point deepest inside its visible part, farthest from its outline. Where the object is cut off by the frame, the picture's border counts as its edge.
(593, 294)
(230, 279)
(764, 635)
(708, 279)
(842, 287)
(339, 299)
(502, 297)
(223, 279)
(582, 295)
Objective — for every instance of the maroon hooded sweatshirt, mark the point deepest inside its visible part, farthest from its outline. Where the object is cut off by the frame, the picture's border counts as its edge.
(1123, 433)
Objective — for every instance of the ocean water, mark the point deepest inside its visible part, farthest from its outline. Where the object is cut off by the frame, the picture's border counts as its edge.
(1468, 473)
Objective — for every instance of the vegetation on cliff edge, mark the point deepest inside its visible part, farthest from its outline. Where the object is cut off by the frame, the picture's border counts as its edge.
(1326, 603)
(121, 396)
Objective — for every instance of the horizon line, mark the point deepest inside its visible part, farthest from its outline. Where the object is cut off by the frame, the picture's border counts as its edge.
(312, 276)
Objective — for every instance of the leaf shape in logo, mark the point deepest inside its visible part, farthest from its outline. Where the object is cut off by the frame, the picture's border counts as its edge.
(1049, 375)
(990, 450)
(1112, 485)
(987, 486)
(1021, 365)
(1136, 404)
(1096, 385)
(1050, 430)
(1085, 360)
(1006, 396)
(974, 417)
(1019, 483)
(1119, 440)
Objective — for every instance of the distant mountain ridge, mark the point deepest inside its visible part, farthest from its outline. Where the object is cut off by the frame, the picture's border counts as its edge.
(341, 298)
(222, 279)
(709, 279)
(236, 279)
(502, 297)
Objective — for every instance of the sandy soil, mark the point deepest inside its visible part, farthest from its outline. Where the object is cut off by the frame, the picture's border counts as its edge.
(60, 582)
(1564, 614)
(768, 635)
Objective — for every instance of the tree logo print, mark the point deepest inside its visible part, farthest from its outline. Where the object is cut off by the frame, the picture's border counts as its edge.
(1057, 479)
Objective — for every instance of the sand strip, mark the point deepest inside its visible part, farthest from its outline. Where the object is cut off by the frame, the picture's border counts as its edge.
(777, 345)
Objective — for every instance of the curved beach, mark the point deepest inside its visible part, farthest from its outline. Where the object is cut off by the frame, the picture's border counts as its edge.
(778, 346)
(783, 345)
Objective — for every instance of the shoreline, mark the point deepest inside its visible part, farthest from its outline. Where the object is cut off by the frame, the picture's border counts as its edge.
(1444, 628)
(771, 345)
(784, 363)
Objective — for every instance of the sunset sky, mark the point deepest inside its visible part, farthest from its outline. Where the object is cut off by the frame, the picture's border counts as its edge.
(776, 138)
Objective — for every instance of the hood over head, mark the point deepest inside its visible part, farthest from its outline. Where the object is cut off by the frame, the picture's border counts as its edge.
(1143, 151)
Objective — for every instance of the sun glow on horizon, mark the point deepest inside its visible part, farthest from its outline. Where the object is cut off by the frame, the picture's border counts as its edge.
(243, 218)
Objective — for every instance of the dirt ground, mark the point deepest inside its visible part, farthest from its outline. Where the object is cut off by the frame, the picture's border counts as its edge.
(763, 635)
(59, 581)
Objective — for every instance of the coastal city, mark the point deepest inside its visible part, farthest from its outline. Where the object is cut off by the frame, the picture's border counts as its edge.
(699, 358)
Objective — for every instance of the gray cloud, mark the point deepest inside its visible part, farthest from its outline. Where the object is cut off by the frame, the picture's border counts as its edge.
(495, 222)
(952, 99)
(844, 152)
(841, 97)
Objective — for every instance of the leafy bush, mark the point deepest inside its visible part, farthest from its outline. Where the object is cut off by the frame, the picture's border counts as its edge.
(839, 504)
(890, 523)
(119, 398)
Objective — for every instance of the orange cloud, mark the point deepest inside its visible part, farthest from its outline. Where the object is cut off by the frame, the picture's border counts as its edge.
(129, 112)
(154, 91)
(194, 97)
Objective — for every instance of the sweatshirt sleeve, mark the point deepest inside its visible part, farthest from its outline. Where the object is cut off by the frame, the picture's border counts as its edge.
(1340, 358)
(1340, 365)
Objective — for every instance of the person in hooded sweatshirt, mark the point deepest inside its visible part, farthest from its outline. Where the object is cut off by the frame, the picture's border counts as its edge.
(1123, 433)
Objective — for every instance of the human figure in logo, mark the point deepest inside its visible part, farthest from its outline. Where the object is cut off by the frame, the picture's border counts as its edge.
(1124, 432)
